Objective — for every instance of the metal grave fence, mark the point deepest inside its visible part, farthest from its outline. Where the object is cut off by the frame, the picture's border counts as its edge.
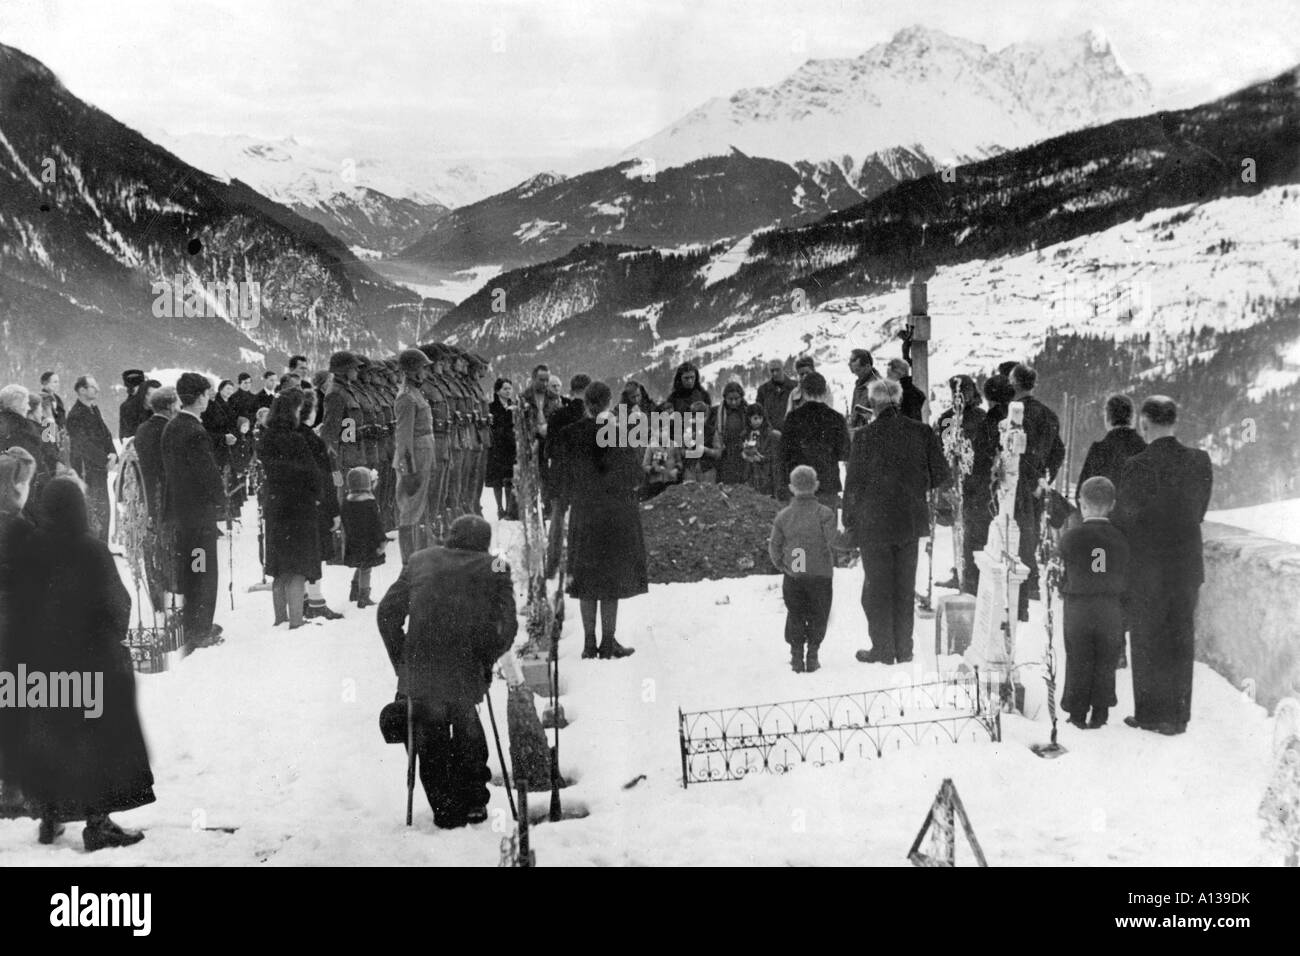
(733, 742)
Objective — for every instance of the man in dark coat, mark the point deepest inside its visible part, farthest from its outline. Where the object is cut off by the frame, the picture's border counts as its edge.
(244, 403)
(817, 435)
(1042, 458)
(864, 372)
(913, 401)
(267, 395)
(1164, 492)
(194, 500)
(570, 412)
(1106, 458)
(774, 394)
(444, 622)
(148, 445)
(132, 412)
(894, 464)
(92, 452)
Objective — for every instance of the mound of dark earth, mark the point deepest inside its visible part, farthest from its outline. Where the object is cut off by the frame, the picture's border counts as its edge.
(695, 531)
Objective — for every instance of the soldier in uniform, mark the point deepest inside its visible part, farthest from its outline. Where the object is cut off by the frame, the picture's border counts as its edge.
(468, 406)
(389, 382)
(436, 391)
(457, 399)
(373, 418)
(341, 425)
(478, 367)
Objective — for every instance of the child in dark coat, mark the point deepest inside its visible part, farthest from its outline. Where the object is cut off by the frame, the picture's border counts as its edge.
(803, 537)
(1096, 558)
(363, 533)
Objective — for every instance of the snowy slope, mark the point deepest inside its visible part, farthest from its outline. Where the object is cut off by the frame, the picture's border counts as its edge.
(942, 96)
(275, 734)
(1158, 274)
(1277, 519)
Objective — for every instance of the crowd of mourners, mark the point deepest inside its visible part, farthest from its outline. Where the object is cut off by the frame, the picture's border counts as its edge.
(340, 458)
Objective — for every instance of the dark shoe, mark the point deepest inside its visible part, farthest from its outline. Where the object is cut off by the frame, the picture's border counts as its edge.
(363, 598)
(952, 583)
(1099, 715)
(1077, 721)
(811, 663)
(796, 658)
(211, 639)
(449, 821)
(907, 659)
(476, 815)
(280, 620)
(589, 649)
(1169, 729)
(874, 657)
(49, 831)
(1133, 722)
(321, 610)
(611, 649)
(105, 833)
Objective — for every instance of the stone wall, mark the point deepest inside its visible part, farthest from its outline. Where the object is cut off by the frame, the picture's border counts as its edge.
(1248, 615)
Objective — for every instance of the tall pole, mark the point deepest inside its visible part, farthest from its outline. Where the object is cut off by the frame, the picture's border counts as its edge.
(918, 320)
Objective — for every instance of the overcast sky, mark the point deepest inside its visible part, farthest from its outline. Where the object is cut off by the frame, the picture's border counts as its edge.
(557, 78)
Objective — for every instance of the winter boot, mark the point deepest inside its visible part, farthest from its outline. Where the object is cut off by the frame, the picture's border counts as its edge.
(363, 598)
(311, 610)
(611, 649)
(1099, 717)
(589, 649)
(101, 832)
(810, 662)
(796, 658)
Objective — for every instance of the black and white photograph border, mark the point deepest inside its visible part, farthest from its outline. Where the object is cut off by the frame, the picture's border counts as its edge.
(335, 340)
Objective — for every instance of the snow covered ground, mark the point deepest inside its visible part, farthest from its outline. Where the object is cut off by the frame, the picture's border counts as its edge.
(1279, 520)
(276, 734)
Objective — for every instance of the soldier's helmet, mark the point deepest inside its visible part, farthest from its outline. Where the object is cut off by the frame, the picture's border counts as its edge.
(342, 361)
(411, 360)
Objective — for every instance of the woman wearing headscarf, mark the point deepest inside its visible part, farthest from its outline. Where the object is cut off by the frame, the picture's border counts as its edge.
(79, 762)
(290, 493)
(500, 473)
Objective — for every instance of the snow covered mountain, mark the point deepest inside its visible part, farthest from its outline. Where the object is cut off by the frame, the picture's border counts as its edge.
(943, 97)
(93, 215)
(1145, 232)
(549, 215)
(834, 133)
(360, 201)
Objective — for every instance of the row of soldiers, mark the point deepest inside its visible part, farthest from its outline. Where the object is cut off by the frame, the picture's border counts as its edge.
(359, 425)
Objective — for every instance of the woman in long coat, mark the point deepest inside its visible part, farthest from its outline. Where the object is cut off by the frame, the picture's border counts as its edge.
(219, 419)
(607, 559)
(328, 511)
(500, 472)
(80, 762)
(17, 471)
(727, 429)
(290, 497)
